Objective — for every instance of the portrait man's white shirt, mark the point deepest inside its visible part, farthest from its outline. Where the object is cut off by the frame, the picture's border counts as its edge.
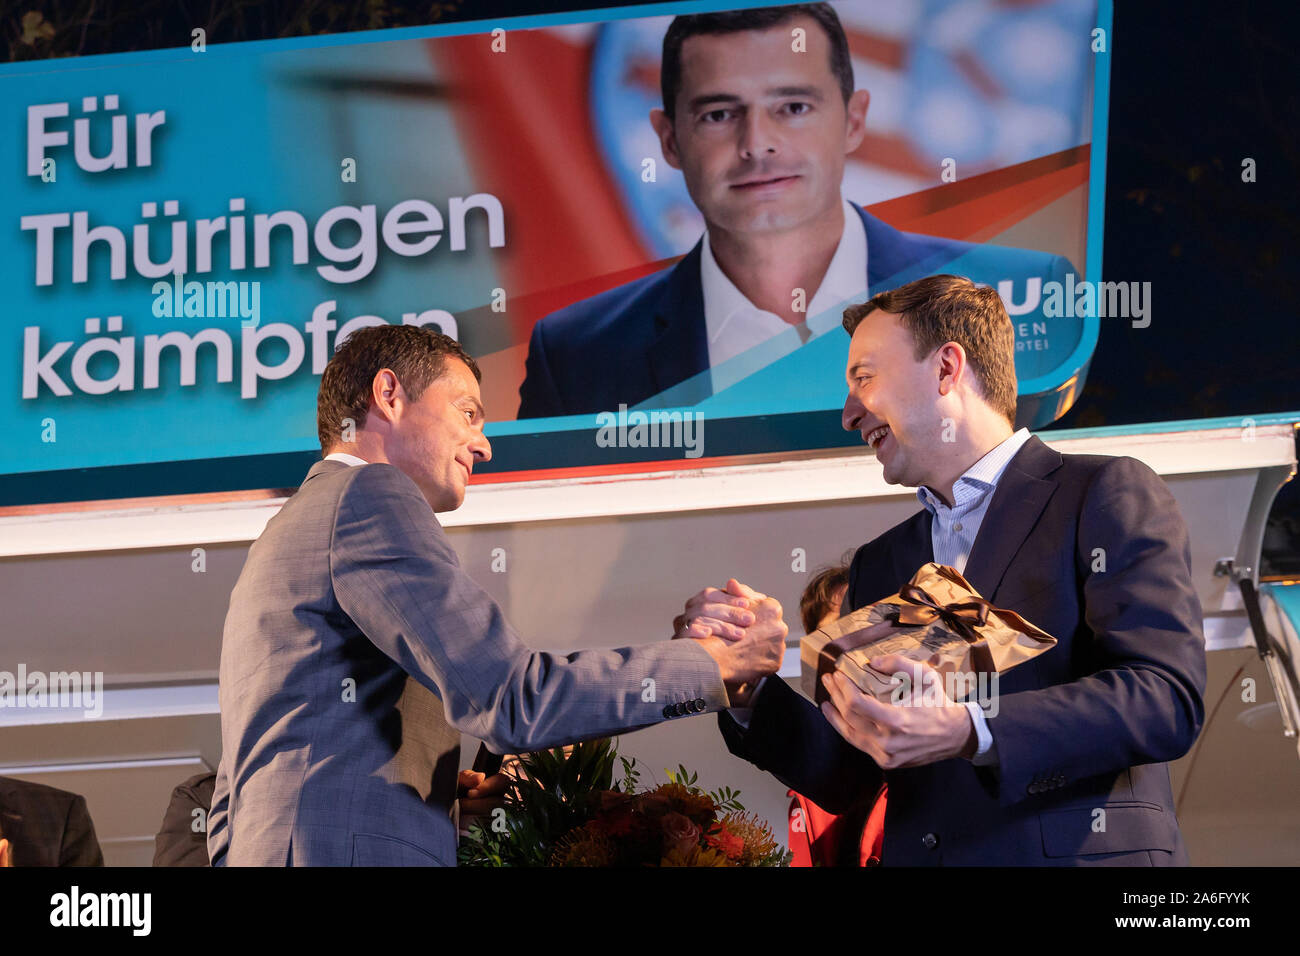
(734, 325)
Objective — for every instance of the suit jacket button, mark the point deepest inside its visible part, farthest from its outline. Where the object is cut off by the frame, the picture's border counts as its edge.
(668, 711)
(929, 841)
(681, 708)
(1032, 788)
(700, 705)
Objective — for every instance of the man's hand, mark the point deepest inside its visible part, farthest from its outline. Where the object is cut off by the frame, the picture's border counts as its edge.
(718, 613)
(743, 651)
(928, 726)
(479, 795)
(6, 854)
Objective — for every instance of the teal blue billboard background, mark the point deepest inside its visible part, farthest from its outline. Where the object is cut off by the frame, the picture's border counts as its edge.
(260, 122)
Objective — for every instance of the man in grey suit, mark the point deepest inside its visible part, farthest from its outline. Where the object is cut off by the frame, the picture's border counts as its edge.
(355, 648)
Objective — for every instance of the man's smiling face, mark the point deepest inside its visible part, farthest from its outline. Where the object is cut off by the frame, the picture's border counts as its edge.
(893, 399)
(761, 130)
(440, 436)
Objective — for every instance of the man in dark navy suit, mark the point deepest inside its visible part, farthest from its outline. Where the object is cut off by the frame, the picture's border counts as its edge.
(760, 128)
(1066, 764)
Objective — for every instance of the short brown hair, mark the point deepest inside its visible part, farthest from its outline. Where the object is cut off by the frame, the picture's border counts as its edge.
(819, 595)
(416, 355)
(738, 21)
(945, 308)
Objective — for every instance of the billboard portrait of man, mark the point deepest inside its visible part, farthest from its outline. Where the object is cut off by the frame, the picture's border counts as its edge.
(759, 114)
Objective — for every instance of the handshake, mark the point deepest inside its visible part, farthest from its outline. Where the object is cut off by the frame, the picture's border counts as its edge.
(743, 632)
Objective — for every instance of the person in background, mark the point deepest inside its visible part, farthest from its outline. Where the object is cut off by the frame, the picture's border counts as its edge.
(45, 826)
(821, 600)
(183, 838)
(817, 836)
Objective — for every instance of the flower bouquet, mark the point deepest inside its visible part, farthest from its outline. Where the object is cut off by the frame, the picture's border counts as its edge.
(564, 809)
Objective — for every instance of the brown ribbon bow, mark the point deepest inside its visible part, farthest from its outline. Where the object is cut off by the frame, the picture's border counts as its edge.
(960, 617)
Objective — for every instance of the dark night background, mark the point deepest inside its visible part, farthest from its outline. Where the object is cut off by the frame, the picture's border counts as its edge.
(1195, 89)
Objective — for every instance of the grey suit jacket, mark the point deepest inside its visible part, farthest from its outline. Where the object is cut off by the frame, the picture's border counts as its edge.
(352, 641)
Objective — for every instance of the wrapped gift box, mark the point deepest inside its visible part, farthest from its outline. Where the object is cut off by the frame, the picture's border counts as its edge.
(937, 614)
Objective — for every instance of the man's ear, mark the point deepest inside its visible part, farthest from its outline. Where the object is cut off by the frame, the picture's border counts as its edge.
(663, 127)
(951, 358)
(387, 397)
(856, 120)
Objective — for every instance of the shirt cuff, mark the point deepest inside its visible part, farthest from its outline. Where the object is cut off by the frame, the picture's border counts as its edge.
(742, 715)
(985, 753)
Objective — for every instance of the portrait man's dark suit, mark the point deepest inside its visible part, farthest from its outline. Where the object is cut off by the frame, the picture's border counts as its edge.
(632, 342)
(1093, 550)
(46, 826)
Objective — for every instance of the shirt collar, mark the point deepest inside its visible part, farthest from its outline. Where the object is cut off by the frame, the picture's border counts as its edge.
(980, 478)
(845, 279)
(346, 458)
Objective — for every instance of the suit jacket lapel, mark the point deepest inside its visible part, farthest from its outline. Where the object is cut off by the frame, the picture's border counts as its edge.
(887, 252)
(914, 548)
(895, 257)
(681, 348)
(1019, 499)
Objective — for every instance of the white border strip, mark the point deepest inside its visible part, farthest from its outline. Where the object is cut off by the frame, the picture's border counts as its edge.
(704, 489)
(122, 703)
(32, 770)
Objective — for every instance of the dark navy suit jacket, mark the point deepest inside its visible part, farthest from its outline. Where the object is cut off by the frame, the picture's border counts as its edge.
(1093, 550)
(632, 342)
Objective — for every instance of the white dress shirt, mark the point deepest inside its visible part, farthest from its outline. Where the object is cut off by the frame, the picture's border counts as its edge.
(734, 325)
(346, 458)
(952, 535)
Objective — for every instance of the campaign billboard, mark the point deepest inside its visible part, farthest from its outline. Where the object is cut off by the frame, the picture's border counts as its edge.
(190, 233)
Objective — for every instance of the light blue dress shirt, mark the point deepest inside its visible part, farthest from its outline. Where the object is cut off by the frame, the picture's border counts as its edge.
(952, 535)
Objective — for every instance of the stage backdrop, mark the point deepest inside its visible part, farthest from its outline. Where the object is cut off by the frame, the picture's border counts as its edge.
(188, 235)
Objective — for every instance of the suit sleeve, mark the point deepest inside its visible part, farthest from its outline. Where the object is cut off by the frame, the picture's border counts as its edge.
(789, 738)
(80, 847)
(218, 818)
(539, 397)
(397, 577)
(1142, 701)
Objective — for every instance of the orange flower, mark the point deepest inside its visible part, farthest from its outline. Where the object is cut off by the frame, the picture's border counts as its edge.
(695, 856)
(698, 806)
(723, 839)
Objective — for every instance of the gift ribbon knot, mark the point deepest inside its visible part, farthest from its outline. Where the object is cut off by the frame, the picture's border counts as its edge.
(960, 617)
